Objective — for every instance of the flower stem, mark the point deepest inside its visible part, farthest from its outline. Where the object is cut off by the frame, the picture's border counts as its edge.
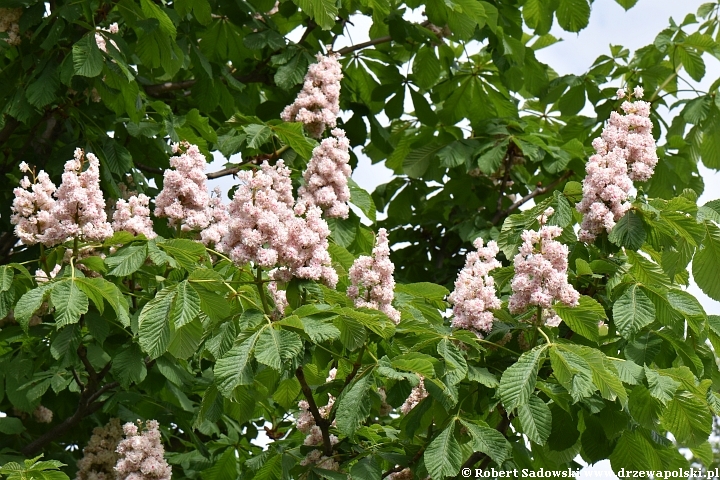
(261, 290)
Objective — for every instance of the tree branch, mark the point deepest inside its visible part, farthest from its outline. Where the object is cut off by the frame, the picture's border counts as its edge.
(148, 169)
(538, 191)
(223, 173)
(320, 421)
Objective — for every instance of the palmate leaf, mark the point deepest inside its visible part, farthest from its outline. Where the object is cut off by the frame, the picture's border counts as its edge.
(127, 260)
(661, 386)
(443, 455)
(322, 11)
(603, 372)
(573, 372)
(29, 303)
(234, 367)
(518, 381)
(186, 306)
(87, 58)
(354, 406)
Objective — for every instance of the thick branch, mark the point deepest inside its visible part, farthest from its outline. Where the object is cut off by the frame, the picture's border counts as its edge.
(10, 125)
(320, 421)
(68, 424)
(538, 191)
(223, 173)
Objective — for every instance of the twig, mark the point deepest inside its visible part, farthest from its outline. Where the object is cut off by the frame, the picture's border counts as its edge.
(148, 169)
(77, 379)
(223, 173)
(320, 421)
(507, 164)
(538, 191)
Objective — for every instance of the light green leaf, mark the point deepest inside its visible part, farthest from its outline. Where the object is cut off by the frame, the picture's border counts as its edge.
(456, 368)
(186, 306)
(573, 372)
(29, 303)
(87, 59)
(573, 15)
(257, 135)
(535, 420)
(706, 263)
(584, 318)
(629, 231)
(287, 391)
(152, 10)
(323, 12)
(633, 311)
(292, 134)
(234, 367)
(518, 381)
(688, 418)
(362, 199)
(127, 260)
(154, 323)
(354, 406)
(443, 455)
(69, 301)
(276, 346)
(661, 386)
(488, 441)
(635, 452)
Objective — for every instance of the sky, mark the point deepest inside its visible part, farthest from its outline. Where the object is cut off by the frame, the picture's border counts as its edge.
(609, 24)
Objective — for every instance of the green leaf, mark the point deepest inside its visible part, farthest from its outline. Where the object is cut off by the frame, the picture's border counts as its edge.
(320, 330)
(456, 368)
(518, 382)
(629, 231)
(635, 452)
(154, 323)
(488, 441)
(323, 12)
(186, 306)
(661, 386)
(10, 426)
(128, 366)
(535, 420)
(69, 301)
(187, 253)
(152, 10)
(127, 260)
(276, 346)
(292, 134)
(29, 303)
(234, 367)
(185, 340)
(603, 372)
(87, 59)
(626, 4)
(706, 263)
(688, 418)
(99, 289)
(426, 69)
(366, 469)
(443, 456)
(584, 318)
(257, 135)
(633, 311)
(418, 160)
(287, 391)
(692, 61)
(573, 15)
(573, 373)
(6, 277)
(362, 199)
(354, 406)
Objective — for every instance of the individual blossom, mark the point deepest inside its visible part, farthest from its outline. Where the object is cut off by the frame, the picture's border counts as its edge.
(10, 24)
(142, 454)
(32, 207)
(326, 176)
(218, 217)
(100, 38)
(133, 215)
(80, 207)
(625, 152)
(318, 103)
(184, 198)
(265, 228)
(541, 273)
(416, 396)
(279, 297)
(99, 455)
(43, 414)
(474, 297)
(372, 282)
(42, 277)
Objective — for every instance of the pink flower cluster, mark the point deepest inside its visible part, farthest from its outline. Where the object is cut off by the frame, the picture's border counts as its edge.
(326, 176)
(372, 282)
(218, 215)
(541, 272)
(625, 152)
(43, 414)
(142, 454)
(474, 297)
(80, 208)
(100, 38)
(32, 208)
(184, 198)
(133, 215)
(318, 103)
(266, 229)
(99, 455)
(9, 23)
(416, 396)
